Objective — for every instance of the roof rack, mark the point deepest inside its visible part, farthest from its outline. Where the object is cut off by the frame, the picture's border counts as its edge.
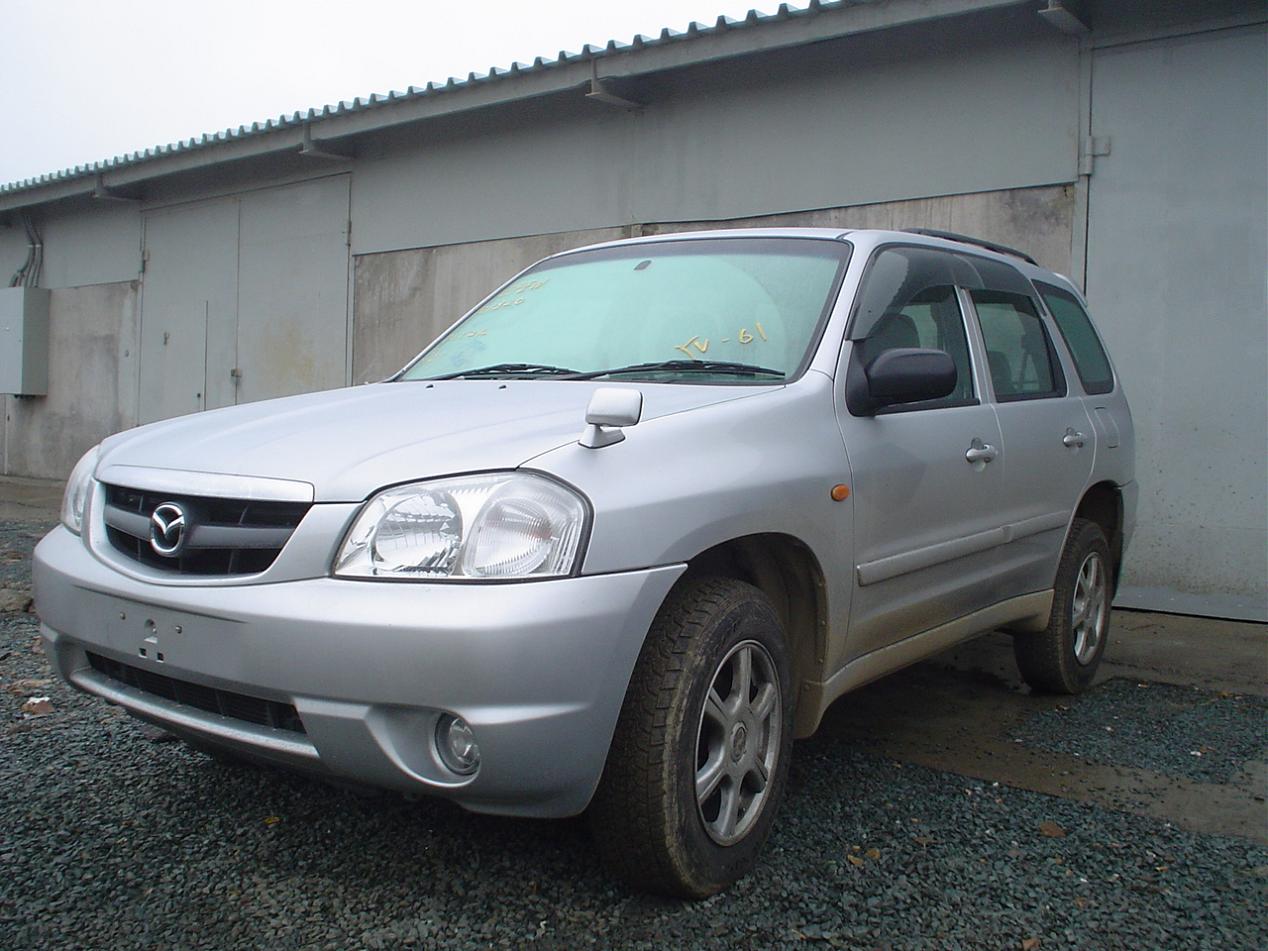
(980, 242)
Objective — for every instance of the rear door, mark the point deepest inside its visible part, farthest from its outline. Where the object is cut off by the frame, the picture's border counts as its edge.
(1048, 437)
(927, 529)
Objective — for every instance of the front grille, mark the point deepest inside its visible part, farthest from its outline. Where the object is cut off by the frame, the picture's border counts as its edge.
(237, 706)
(225, 536)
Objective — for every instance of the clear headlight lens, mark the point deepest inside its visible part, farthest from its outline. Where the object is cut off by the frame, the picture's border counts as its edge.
(78, 488)
(501, 525)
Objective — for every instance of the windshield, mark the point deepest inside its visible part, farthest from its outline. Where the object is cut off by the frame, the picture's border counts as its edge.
(727, 310)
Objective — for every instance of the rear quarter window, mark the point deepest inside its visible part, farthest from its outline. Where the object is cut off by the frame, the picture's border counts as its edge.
(1076, 329)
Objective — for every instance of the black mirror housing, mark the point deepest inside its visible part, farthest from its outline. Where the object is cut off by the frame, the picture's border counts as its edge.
(902, 375)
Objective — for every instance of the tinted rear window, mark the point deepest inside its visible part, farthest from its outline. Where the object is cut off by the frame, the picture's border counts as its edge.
(1076, 328)
(1020, 355)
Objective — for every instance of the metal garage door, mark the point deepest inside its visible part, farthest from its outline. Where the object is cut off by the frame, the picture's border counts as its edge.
(1177, 252)
(189, 309)
(293, 289)
(245, 298)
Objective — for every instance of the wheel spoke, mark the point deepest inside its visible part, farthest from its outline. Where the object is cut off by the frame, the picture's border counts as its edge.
(761, 771)
(743, 686)
(729, 812)
(711, 774)
(764, 703)
(716, 710)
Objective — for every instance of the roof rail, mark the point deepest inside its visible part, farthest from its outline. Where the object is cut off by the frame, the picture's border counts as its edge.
(980, 242)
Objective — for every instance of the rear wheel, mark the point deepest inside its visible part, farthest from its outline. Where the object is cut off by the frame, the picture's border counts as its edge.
(1064, 657)
(700, 756)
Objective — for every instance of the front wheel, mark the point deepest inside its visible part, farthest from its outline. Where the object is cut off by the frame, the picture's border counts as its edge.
(700, 756)
(1063, 658)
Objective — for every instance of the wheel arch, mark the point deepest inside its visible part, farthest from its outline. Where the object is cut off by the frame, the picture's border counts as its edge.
(788, 572)
(1102, 503)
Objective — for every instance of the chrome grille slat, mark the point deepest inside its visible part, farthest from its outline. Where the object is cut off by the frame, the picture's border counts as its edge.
(225, 537)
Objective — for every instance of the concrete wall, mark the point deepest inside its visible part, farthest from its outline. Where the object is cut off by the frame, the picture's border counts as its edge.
(95, 245)
(12, 249)
(1036, 220)
(940, 111)
(85, 242)
(92, 381)
(403, 299)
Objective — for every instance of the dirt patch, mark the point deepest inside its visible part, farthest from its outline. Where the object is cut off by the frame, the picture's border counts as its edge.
(1202, 735)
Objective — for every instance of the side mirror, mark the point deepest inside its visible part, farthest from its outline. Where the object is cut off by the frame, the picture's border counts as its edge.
(902, 375)
(610, 407)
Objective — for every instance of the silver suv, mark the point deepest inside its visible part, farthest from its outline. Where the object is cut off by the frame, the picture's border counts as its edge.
(620, 535)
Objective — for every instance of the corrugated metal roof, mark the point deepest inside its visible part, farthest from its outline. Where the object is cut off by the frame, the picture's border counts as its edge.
(312, 117)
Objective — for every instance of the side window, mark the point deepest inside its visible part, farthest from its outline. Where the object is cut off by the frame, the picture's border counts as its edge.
(1076, 328)
(909, 300)
(1021, 359)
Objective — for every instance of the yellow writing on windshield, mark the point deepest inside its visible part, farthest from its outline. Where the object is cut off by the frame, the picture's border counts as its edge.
(701, 344)
(512, 296)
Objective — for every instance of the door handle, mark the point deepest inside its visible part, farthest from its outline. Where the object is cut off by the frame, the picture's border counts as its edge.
(979, 451)
(1073, 439)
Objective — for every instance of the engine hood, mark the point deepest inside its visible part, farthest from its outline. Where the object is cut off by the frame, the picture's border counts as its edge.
(348, 443)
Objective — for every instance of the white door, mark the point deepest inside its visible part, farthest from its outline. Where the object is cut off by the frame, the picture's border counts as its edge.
(189, 309)
(293, 289)
(245, 298)
(1177, 251)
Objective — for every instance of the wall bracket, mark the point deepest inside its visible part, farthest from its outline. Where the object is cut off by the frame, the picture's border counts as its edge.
(600, 91)
(103, 192)
(313, 148)
(1068, 16)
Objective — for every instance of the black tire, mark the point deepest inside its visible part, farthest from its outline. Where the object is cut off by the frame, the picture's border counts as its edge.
(645, 818)
(1059, 659)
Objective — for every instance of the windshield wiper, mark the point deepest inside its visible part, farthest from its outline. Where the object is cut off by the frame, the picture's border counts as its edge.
(686, 366)
(509, 369)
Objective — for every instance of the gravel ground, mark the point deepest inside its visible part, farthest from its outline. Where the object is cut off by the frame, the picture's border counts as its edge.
(113, 840)
(17, 539)
(1178, 731)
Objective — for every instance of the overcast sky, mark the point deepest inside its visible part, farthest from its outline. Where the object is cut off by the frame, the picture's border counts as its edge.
(85, 80)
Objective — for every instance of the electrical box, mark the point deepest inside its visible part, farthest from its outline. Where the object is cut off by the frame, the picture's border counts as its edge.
(24, 341)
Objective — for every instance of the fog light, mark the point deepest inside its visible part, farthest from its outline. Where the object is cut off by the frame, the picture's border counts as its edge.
(455, 740)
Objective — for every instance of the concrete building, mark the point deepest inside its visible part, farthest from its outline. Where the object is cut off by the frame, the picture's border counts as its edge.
(1122, 143)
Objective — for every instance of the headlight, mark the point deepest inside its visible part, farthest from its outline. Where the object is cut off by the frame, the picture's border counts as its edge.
(78, 486)
(501, 525)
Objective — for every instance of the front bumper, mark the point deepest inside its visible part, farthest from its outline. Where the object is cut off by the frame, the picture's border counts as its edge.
(539, 669)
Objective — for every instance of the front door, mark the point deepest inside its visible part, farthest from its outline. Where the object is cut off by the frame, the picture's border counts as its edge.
(926, 477)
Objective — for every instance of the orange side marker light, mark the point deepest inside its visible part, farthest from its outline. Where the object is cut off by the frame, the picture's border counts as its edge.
(840, 492)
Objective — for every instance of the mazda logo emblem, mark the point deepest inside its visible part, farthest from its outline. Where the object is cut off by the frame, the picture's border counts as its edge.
(168, 525)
